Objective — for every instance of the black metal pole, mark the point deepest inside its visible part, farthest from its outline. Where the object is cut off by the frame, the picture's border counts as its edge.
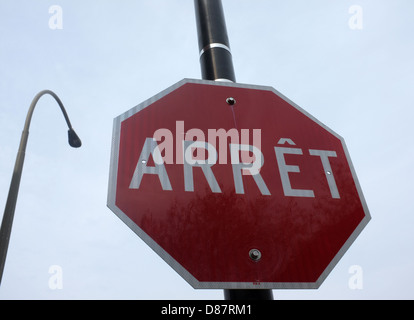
(217, 64)
(215, 56)
(7, 221)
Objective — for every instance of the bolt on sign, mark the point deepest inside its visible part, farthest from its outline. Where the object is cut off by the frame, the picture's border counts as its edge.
(235, 186)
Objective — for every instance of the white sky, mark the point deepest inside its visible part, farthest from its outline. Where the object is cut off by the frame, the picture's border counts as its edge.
(113, 55)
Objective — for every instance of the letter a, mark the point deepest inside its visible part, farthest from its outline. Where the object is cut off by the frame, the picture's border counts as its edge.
(355, 21)
(150, 147)
(355, 281)
(56, 280)
(56, 21)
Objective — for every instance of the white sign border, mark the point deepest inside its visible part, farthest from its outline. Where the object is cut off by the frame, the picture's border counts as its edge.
(168, 258)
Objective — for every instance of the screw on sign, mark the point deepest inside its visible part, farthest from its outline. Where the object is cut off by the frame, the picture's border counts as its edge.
(235, 186)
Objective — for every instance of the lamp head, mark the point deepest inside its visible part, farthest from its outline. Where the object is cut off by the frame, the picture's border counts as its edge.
(73, 138)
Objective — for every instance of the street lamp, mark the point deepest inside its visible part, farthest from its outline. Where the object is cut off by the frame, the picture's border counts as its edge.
(7, 221)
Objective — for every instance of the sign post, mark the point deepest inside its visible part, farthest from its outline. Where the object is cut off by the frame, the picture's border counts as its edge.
(216, 64)
(235, 186)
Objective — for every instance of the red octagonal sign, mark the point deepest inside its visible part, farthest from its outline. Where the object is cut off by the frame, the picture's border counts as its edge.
(235, 186)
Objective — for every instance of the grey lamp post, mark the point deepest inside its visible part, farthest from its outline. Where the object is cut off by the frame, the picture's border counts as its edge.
(7, 221)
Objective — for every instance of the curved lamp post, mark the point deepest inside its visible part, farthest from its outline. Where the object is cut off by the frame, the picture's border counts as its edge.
(7, 221)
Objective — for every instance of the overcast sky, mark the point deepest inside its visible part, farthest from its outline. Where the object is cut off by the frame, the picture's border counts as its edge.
(349, 66)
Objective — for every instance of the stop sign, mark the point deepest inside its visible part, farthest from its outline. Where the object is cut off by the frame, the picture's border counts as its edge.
(235, 186)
